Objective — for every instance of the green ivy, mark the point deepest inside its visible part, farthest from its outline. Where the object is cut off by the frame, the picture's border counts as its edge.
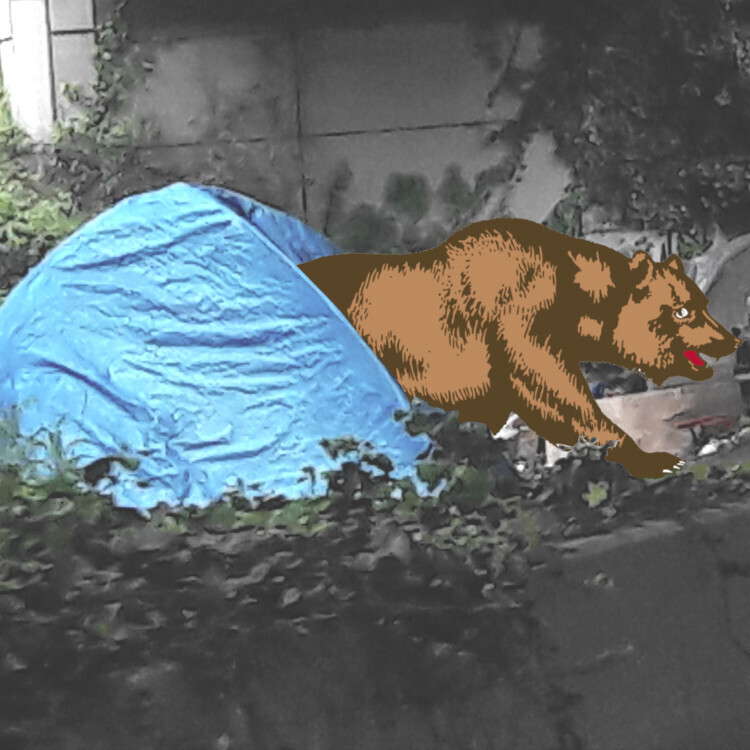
(33, 216)
(567, 214)
(95, 150)
(401, 223)
(408, 196)
(47, 192)
(458, 198)
(650, 102)
(367, 229)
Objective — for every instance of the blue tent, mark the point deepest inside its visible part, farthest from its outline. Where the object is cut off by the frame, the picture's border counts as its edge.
(177, 325)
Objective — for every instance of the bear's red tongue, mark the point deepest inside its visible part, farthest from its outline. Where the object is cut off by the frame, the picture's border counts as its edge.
(692, 355)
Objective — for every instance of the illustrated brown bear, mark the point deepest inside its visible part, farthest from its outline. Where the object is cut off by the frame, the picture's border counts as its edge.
(497, 319)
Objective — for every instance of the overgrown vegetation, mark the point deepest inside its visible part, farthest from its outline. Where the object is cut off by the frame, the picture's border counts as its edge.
(34, 215)
(87, 588)
(411, 216)
(650, 102)
(48, 190)
(94, 151)
(567, 216)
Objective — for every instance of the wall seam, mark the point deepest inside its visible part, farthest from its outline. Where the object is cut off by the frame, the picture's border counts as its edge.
(73, 32)
(50, 53)
(298, 103)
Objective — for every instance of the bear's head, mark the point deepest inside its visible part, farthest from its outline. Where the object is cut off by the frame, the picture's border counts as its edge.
(664, 329)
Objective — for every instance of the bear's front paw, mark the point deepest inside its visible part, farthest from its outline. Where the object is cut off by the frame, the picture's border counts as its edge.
(655, 465)
(644, 465)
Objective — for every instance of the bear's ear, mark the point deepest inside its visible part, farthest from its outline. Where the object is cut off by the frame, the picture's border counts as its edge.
(642, 268)
(674, 262)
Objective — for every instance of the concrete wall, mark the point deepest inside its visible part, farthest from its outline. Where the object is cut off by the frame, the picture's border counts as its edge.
(275, 110)
(27, 65)
(652, 632)
(6, 42)
(731, 289)
(44, 44)
(273, 106)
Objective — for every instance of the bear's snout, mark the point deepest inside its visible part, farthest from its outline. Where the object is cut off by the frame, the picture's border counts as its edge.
(721, 345)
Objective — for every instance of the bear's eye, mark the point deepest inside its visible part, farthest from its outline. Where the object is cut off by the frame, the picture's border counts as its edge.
(681, 313)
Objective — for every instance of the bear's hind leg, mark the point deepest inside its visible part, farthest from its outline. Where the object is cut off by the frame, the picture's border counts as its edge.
(488, 409)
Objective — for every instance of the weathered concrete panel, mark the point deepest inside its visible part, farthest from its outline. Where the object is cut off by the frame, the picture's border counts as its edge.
(372, 157)
(5, 30)
(29, 86)
(541, 181)
(732, 287)
(529, 49)
(268, 172)
(69, 15)
(73, 63)
(393, 76)
(6, 63)
(103, 9)
(219, 88)
(640, 619)
(719, 546)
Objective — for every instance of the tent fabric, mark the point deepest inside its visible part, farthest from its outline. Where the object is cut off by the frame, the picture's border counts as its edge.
(177, 326)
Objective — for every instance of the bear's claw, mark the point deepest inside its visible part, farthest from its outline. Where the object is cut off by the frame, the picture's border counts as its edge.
(677, 467)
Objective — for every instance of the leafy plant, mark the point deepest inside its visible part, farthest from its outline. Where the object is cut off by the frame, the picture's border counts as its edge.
(567, 214)
(597, 493)
(457, 196)
(88, 588)
(401, 223)
(649, 103)
(95, 149)
(366, 229)
(408, 196)
(33, 217)
(46, 192)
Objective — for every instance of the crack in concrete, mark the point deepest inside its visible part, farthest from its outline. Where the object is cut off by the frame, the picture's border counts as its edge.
(602, 660)
(300, 130)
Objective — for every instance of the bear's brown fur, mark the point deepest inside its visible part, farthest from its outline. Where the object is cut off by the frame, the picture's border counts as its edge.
(498, 318)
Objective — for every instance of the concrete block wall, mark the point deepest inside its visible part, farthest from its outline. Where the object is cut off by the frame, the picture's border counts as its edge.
(27, 67)
(6, 41)
(272, 107)
(652, 633)
(71, 25)
(45, 44)
(276, 109)
(223, 107)
(407, 97)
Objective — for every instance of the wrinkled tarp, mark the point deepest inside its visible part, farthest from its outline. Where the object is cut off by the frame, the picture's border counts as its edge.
(177, 325)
